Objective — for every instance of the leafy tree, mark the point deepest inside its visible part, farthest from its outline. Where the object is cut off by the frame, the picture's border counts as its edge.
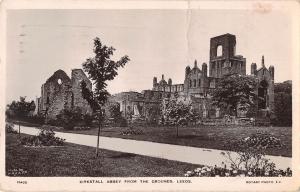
(20, 109)
(176, 113)
(101, 68)
(283, 104)
(235, 92)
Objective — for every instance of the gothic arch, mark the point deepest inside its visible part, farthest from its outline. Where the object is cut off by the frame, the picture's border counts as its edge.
(263, 94)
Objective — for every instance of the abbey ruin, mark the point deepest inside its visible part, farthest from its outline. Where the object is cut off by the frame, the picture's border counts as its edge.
(199, 81)
(61, 92)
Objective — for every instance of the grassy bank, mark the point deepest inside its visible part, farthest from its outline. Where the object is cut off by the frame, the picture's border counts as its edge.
(80, 161)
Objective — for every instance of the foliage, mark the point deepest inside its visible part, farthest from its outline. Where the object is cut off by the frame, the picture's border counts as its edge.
(9, 128)
(153, 113)
(177, 113)
(132, 131)
(283, 104)
(251, 151)
(114, 115)
(44, 138)
(247, 159)
(20, 109)
(101, 68)
(235, 92)
(70, 118)
(209, 171)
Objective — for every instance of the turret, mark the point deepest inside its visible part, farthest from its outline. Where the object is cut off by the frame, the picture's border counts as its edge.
(195, 64)
(271, 69)
(263, 61)
(187, 71)
(253, 68)
(154, 81)
(204, 69)
(162, 77)
(170, 81)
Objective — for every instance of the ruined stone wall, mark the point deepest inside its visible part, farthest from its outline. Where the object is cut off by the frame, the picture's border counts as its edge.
(77, 77)
(60, 92)
(55, 94)
(264, 74)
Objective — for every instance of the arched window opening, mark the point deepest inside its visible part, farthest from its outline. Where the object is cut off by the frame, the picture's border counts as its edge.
(219, 50)
(262, 95)
(234, 49)
(195, 83)
(190, 83)
(59, 81)
(199, 82)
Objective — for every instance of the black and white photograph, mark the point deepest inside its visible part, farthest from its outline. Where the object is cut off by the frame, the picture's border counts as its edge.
(175, 95)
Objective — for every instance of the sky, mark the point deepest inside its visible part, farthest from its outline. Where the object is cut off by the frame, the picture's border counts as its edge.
(39, 42)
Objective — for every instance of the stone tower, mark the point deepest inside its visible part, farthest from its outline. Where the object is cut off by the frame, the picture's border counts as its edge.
(223, 60)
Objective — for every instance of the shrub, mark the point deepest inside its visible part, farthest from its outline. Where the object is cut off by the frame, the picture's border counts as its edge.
(44, 138)
(175, 112)
(132, 131)
(248, 159)
(71, 118)
(122, 121)
(251, 151)
(9, 128)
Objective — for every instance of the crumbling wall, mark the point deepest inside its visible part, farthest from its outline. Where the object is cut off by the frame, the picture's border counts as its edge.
(77, 77)
(55, 94)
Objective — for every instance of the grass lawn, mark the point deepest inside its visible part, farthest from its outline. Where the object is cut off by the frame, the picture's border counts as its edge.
(80, 161)
(213, 137)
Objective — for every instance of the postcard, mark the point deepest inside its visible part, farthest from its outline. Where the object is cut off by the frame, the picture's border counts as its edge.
(150, 95)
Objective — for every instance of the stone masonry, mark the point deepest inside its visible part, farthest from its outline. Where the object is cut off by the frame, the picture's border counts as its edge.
(60, 92)
(199, 81)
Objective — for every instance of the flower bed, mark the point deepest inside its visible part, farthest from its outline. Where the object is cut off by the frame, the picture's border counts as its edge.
(9, 128)
(44, 138)
(215, 171)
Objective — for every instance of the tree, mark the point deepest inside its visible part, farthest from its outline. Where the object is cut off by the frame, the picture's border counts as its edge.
(283, 104)
(101, 68)
(235, 92)
(20, 109)
(176, 113)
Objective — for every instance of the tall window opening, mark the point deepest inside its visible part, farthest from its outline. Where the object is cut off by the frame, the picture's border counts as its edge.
(219, 50)
(262, 95)
(48, 100)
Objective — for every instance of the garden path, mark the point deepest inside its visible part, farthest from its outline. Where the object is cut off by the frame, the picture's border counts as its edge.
(194, 155)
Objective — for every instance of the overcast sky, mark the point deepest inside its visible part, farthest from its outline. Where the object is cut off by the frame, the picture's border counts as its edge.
(39, 42)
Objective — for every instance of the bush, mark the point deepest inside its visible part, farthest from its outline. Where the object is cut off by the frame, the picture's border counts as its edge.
(132, 131)
(9, 128)
(122, 121)
(71, 118)
(44, 138)
(251, 151)
(175, 112)
(249, 160)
